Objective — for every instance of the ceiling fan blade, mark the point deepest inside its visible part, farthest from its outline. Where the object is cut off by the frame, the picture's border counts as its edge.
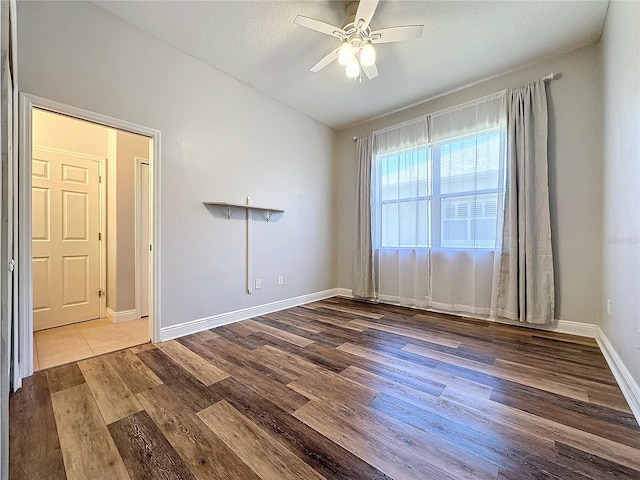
(371, 71)
(333, 55)
(366, 9)
(318, 26)
(397, 34)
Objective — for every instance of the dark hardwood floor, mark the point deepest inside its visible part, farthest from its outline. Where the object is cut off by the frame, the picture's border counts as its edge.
(335, 389)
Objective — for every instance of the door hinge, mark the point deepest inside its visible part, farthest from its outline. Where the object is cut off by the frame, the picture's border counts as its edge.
(99, 236)
(99, 178)
(99, 292)
(150, 248)
(12, 265)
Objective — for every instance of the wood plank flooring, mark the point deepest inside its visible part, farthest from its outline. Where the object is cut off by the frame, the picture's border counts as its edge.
(337, 389)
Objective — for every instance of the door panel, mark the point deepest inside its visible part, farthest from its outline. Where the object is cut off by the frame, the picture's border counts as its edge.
(66, 249)
(41, 213)
(73, 174)
(41, 276)
(75, 281)
(75, 211)
(40, 169)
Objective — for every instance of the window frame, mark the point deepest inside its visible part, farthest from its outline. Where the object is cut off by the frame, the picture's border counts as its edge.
(435, 197)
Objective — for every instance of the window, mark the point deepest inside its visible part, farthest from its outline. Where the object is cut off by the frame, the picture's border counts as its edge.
(405, 196)
(442, 195)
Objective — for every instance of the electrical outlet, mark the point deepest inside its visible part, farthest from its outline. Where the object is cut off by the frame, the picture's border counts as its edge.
(258, 284)
(608, 307)
(280, 279)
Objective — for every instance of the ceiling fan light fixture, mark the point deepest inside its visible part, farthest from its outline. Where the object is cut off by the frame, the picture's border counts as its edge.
(353, 69)
(356, 51)
(345, 53)
(367, 55)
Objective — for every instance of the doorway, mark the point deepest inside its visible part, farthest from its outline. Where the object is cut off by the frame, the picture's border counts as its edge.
(85, 279)
(76, 281)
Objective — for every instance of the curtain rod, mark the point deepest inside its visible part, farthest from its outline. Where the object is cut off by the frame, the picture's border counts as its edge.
(551, 76)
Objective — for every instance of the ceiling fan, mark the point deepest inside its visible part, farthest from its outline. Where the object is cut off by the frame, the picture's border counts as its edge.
(356, 49)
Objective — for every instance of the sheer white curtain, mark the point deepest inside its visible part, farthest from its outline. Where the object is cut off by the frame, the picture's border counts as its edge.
(437, 188)
(401, 187)
(468, 145)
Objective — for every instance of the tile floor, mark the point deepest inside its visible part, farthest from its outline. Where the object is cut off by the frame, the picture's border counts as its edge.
(57, 346)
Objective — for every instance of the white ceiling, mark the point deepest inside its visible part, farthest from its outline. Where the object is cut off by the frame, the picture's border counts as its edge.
(464, 42)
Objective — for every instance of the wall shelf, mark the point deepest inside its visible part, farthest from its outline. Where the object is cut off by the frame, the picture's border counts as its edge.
(268, 211)
(247, 208)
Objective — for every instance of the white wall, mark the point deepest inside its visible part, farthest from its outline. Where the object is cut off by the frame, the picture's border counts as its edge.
(129, 146)
(621, 174)
(221, 140)
(51, 130)
(575, 171)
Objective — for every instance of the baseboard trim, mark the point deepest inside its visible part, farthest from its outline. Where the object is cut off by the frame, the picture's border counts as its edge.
(198, 325)
(626, 382)
(122, 316)
(561, 326)
(343, 292)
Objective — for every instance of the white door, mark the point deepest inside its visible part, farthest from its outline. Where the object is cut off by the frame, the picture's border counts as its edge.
(143, 243)
(66, 247)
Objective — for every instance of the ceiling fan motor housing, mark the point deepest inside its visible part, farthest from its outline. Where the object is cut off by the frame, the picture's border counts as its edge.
(356, 40)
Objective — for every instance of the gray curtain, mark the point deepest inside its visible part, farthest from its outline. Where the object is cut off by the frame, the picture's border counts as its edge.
(363, 277)
(525, 289)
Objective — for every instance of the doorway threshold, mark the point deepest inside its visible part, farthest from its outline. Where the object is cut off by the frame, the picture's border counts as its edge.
(70, 343)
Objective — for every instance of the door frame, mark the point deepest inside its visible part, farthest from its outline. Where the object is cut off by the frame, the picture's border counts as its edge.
(25, 288)
(8, 218)
(139, 162)
(102, 208)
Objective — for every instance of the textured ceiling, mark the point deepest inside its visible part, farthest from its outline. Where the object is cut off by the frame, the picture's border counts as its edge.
(464, 42)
